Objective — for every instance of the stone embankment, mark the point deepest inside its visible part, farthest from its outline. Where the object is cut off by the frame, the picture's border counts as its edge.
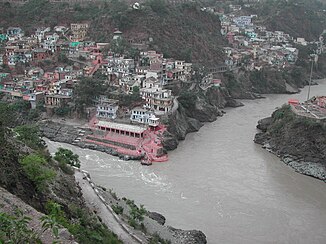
(103, 202)
(299, 141)
(72, 135)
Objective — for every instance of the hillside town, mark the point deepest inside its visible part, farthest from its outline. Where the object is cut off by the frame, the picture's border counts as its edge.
(148, 77)
(144, 121)
(253, 46)
(44, 68)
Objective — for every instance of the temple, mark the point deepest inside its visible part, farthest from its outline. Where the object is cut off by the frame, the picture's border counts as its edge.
(141, 140)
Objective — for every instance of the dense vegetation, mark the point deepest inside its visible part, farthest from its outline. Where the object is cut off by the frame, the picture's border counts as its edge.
(299, 18)
(28, 171)
(283, 117)
(14, 229)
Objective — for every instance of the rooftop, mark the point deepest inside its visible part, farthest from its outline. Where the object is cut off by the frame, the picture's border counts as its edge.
(124, 127)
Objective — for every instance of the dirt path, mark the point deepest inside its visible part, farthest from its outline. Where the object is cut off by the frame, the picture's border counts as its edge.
(108, 218)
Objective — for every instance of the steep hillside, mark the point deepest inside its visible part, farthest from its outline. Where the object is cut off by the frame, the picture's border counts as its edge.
(302, 18)
(181, 31)
(29, 172)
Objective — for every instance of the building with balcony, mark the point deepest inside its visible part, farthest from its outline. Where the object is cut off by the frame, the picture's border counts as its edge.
(144, 116)
(107, 109)
(157, 99)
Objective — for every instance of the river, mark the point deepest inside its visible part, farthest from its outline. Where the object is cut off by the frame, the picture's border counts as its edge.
(222, 183)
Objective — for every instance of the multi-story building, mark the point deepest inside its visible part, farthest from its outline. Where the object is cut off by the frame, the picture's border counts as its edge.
(79, 31)
(119, 66)
(144, 116)
(158, 99)
(107, 108)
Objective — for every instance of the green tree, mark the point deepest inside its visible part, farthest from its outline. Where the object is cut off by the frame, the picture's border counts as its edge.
(187, 99)
(52, 220)
(119, 46)
(62, 58)
(158, 6)
(135, 90)
(37, 171)
(86, 91)
(66, 156)
(29, 134)
(62, 111)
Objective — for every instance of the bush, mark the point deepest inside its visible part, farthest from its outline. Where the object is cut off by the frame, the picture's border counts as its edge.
(158, 6)
(187, 99)
(15, 229)
(36, 170)
(29, 134)
(33, 114)
(66, 168)
(62, 111)
(156, 239)
(64, 59)
(117, 209)
(66, 156)
(85, 227)
(113, 194)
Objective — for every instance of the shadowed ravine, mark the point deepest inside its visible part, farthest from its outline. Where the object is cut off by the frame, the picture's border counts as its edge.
(220, 182)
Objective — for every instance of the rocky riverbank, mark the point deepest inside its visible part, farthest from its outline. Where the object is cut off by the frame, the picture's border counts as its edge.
(137, 222)
(299, 142)
(204, 106)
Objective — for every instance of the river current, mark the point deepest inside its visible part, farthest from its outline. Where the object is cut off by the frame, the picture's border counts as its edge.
(219, 181)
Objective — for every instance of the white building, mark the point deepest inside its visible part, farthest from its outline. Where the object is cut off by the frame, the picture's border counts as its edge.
(144, 116)
(157, 99)
(107, 109)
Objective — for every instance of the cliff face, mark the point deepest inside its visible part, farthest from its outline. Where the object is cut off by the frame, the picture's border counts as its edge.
(299, 142)
(248, 85)
(205, 107)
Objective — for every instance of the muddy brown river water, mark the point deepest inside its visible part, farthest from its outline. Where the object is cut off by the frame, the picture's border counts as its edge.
(220, 182)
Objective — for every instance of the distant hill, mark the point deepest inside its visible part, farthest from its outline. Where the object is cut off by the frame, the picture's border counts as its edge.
(299, 18)
(180, 31)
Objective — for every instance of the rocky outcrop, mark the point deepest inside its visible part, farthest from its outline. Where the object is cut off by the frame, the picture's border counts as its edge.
(205, 108)
(189, 236)
(221, 98)
(298, 141)
(59, 132)
(159, 218)
(250, 84)
(264, 123)
(203, 111)
(170, 141)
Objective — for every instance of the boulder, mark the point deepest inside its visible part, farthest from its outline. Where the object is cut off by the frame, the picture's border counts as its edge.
(159, 218)
(264, 123)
